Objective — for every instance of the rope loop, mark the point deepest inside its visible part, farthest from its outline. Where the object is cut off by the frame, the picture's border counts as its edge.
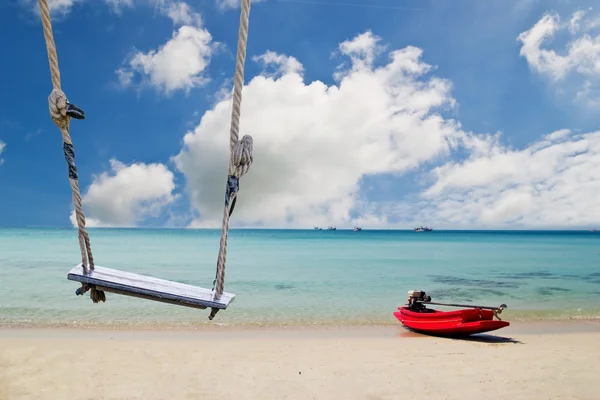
(241, 156)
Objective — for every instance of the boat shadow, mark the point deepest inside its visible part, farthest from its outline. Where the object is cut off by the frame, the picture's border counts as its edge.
(478, 338)
(484, 338)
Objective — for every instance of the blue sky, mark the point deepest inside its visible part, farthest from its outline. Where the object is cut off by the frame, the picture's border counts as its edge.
(472, 45)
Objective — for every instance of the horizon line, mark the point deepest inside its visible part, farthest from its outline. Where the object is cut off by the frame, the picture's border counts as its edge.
(524, 229)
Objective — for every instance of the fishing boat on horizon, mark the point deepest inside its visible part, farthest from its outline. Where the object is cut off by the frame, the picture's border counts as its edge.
(423, 229)
(357, 229)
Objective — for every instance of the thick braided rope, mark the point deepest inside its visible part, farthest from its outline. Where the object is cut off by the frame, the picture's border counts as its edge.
(57, 102)
(241, 150)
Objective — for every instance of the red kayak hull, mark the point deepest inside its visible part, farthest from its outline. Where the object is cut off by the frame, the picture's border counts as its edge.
(449, 323)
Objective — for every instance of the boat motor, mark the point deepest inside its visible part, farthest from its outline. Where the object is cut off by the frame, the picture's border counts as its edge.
(416, 298)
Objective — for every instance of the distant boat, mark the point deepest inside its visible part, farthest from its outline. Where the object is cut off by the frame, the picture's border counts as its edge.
(423, 229)
(357, 229)
(331, 228)
(592, 230)
(316, 228)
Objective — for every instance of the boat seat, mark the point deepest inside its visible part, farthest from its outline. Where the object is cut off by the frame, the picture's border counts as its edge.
(147, 287)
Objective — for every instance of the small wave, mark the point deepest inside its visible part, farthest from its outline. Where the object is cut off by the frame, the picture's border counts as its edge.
(298, 321)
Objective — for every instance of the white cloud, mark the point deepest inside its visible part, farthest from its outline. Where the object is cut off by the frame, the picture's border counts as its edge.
(592, 24)
(128, 194)
(58, 8)
(179, 64)
(118, 5)
(542, 60)
(228, 4)
(362, 51)
(283, 64)
(125, 76)
(574, 22)
(180, 12)
(589, 94)
(313, 143)
(581, 56)
(2, 147)
(551, 183)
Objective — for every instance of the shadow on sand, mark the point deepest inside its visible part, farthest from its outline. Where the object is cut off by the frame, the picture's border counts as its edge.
(480, 338)
(483, 338)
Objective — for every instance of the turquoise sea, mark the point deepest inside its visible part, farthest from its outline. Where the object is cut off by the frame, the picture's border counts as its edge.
(291, 277)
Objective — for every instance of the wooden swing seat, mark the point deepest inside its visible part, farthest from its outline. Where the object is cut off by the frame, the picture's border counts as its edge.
(149, 288)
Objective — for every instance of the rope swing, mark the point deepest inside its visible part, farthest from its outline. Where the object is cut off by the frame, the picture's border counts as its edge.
(241, 150)
(61, 111)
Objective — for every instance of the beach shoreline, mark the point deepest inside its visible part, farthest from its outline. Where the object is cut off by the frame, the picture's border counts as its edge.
(98, 318)
(551, 360)
(516, 328)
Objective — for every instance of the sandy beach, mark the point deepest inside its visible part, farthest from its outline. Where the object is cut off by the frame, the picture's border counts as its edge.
(531, 361)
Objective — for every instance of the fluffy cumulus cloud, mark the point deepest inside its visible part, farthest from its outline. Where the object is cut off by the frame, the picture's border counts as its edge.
(551, 183)
(180, 63)
(313, 142)
(316, 143)
(580, 58)
(128, 194)
(2, 147)
(179, 12)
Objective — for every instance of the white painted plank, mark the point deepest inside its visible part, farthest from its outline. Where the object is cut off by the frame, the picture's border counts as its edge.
(129, 283)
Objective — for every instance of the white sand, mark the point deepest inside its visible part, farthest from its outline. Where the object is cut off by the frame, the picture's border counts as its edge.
(340, 364)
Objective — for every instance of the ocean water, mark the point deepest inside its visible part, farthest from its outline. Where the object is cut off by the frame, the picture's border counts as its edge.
(299, 277)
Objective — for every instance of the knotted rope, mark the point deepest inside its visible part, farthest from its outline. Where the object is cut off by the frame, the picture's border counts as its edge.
(241, 151)
(61, 112)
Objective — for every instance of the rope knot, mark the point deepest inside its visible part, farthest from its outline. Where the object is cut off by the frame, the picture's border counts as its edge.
(61, 110)
(242, 157)
(57, 102)
(95, 294)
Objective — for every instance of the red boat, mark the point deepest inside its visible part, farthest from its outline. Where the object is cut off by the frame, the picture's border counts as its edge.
(475, 319)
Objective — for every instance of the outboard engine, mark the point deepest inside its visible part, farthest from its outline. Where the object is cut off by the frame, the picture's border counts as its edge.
(416, 298)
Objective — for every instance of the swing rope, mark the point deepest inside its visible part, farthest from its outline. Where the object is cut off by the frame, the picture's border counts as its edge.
(241, 151)
(240, 159)
(61, 112)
